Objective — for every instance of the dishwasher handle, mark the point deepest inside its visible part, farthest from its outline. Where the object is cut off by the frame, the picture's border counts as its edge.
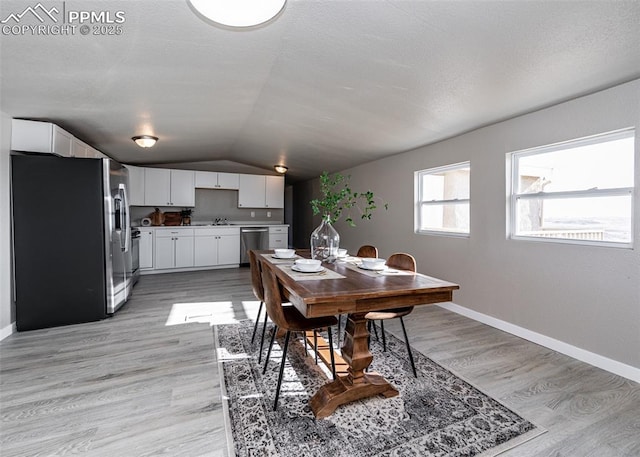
(254, 230)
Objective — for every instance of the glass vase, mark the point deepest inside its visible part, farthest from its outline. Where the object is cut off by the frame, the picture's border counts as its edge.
(325, 242)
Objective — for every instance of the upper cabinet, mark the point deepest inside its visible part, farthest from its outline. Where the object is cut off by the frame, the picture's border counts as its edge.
(259, 191)
(136, 185)
(217, 180)
(274, 192)
(36, 136)
(163, 187)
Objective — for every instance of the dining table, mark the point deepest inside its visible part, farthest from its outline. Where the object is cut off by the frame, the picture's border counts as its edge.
(343, 286)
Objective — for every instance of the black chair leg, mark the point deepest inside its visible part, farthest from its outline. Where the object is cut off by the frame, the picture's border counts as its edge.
(406, 339)
(375, 329)
(255, 326)
(384, 338)
(273, 338)
(264, 330)
(315, 344)
(333, 359)
(284, 360)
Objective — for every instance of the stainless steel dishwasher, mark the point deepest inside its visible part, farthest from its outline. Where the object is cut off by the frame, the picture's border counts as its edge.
(252, 238)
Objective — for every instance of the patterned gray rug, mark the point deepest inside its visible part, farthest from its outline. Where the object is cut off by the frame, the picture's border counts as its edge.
(437, 414)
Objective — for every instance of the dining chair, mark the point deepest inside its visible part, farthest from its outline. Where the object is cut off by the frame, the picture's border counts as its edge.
(399, 261)
(364, 251)
(367, 251)
(258, 291)
(289, 318)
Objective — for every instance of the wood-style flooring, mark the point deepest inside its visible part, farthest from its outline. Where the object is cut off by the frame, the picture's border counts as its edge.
(146, 382)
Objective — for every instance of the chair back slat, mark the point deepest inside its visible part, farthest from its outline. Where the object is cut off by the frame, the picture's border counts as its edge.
(402, 261)
(256, 276)
(367, 251)
(272, 298)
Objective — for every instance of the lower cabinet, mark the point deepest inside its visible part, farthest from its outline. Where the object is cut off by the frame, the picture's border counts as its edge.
(174, 248)
(146, 249)
(278, 237)
(216, 246)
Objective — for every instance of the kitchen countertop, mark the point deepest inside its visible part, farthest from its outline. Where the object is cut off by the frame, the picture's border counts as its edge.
(211, 224)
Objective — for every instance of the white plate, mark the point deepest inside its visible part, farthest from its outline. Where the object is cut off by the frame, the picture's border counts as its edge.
(372, 269)
(275, 256)
(295, 268)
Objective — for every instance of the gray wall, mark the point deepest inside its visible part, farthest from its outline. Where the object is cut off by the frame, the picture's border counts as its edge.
(7, 310)
(583, 296)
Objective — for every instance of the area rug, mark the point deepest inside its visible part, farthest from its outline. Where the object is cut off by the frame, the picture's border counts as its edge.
(437, 414)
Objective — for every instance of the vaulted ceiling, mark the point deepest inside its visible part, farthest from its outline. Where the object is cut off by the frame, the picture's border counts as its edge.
(326, 85)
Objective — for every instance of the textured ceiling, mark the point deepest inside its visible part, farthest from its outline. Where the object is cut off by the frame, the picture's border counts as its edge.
(325, 86)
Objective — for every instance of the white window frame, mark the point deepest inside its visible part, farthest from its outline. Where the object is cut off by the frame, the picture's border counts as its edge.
(418, 203)
(514, 197)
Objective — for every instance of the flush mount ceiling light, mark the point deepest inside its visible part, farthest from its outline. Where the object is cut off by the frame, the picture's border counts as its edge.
(238, 13)
(145, 141)
(280, 168)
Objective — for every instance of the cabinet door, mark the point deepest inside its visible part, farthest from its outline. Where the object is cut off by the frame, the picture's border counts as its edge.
(228, 249)
(184, 251)
(157, 187)
(228, 181)
(251, 192)
(205, 251)
(136, 185)
(165, 252)
(62, 142)
(274, 192)
(146, 249)
(183, 192)
(206, 179)
(78, 148)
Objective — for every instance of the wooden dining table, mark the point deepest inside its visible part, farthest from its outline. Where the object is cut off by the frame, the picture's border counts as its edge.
(349, 290)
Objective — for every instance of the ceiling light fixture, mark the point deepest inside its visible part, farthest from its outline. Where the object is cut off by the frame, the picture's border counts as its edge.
(280, 168)
(145, 141)
(238, 13)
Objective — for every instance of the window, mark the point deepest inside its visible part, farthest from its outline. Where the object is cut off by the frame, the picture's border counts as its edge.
(442, 200)
(580, 191)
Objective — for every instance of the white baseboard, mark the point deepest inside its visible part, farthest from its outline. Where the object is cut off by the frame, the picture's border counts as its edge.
(8, 330)
(610, 365)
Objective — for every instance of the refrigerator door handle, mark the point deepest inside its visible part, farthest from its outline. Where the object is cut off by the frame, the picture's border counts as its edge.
(126, 219)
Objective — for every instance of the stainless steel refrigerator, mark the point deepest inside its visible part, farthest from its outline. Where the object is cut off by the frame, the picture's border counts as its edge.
(72, 239)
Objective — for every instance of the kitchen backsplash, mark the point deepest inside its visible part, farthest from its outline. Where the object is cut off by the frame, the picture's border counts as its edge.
(212, 204)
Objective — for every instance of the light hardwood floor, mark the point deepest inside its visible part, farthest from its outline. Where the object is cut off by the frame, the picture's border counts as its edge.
(145, 382)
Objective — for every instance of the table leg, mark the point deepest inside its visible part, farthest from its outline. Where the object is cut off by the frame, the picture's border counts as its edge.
(357, 384)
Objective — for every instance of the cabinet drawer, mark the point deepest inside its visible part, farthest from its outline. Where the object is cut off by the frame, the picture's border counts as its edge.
(277, 241)
(278, 230)
(217, 231)
(166, 232)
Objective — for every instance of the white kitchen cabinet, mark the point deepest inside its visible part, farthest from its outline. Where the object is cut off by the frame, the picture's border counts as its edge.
(259, 191)
(36, 136)
(136, 185)
(217, 180)
(164, 187)
(278, 237)
(216, 246)
(146, 249)
(274, 192)
(174, 248)
(79, 149)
